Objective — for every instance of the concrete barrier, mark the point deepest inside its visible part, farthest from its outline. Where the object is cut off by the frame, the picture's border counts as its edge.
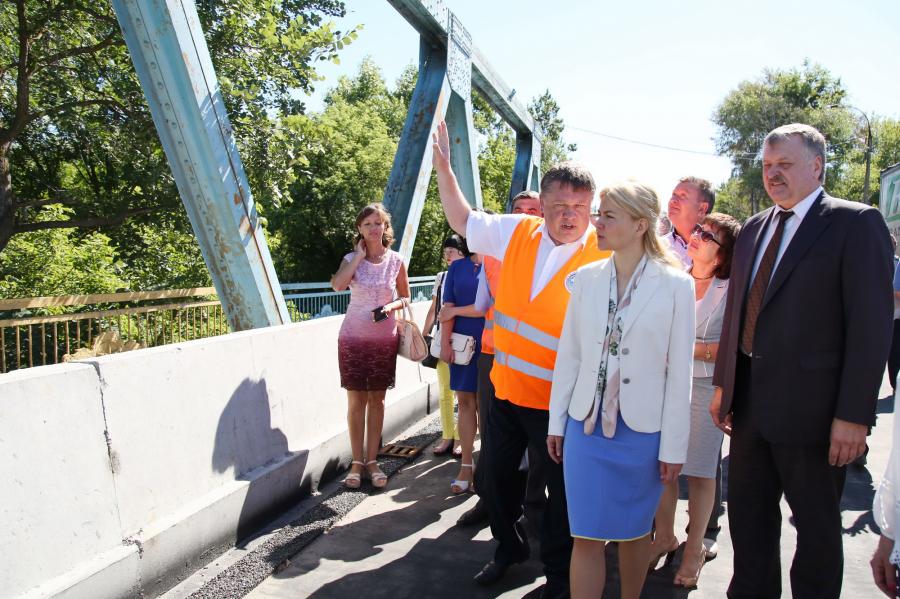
(149, 463)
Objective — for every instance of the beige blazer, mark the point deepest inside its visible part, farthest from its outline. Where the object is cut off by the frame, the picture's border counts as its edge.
(655, 359)
(710, 313)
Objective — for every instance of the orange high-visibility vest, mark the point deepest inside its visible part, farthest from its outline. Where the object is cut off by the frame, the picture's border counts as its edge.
(526, 331)
(492, 275)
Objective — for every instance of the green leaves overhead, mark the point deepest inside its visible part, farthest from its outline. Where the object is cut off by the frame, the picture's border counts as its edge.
(809, 94)
(75, 129)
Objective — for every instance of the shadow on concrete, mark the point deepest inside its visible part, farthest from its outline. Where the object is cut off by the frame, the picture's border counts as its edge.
(246, 443)
(440, 567)
(859, 492)
(421, 511)
(412, 562)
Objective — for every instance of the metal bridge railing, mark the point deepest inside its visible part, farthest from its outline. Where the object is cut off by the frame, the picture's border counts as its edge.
(316, 300)
(33, 332)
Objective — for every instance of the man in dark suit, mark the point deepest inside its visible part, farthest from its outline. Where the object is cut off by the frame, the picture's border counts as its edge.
(806, 334)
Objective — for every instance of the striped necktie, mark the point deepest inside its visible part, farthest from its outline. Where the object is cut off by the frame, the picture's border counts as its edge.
(761, 283)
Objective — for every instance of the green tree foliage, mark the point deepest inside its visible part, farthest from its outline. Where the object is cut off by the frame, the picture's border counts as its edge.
(886, 152)
(349, 146)
(75, 129)
(545, 111)
(59, 262)
(809, 94)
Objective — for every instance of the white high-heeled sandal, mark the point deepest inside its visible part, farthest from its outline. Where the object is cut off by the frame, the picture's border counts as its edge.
(354, 479)
(379, 479)
(457, 486)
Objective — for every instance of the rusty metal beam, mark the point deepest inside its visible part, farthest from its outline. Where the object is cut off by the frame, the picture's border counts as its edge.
(449, 65)
(407, 186)
(172, 61)
(433, 20)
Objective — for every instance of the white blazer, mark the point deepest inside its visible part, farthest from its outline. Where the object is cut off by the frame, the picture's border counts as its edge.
(710, 313)
(655, 360)
(886, 505)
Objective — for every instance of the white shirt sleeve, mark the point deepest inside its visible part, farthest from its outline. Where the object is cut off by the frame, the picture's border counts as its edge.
(887, 503)
(482, 294)
(489, 234)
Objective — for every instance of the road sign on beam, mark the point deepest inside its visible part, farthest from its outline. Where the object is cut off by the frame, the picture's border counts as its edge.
(449, 65)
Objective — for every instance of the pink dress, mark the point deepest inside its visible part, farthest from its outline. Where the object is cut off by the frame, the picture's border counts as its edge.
(367, 350)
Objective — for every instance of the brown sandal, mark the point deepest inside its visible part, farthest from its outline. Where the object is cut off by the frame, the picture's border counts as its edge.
(690, 582)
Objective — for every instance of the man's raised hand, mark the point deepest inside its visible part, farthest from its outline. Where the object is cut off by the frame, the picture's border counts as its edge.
(441, 147)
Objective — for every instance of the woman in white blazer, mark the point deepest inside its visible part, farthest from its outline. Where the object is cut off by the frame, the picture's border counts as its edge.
(710, 249)
(620, 401)
(886, 510)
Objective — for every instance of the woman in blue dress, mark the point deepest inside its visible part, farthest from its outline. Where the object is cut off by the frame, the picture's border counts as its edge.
(460, 286)
(621, 395)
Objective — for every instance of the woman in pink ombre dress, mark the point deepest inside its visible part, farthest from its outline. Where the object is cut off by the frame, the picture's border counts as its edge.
(367, 349)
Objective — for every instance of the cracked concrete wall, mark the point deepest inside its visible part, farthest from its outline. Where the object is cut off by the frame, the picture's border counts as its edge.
(133, 468)
(58, 501)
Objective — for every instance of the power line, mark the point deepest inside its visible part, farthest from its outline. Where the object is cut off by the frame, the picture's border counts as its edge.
(745, 156)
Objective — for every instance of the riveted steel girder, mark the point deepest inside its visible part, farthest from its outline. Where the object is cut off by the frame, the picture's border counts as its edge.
(449, 65)
(172, 61)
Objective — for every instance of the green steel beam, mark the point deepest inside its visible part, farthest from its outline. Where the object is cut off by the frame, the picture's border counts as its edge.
(526, 169)
(172, 61)
(449, 65)
(463, 153)
(404, 195)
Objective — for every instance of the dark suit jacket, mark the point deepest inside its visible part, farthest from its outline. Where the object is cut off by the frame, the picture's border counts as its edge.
(824, 329)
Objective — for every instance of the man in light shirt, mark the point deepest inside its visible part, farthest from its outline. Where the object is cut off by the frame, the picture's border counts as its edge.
(539, 257)
(692, 199)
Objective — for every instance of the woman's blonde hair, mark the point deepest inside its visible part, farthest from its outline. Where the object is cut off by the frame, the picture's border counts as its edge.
(387, 238)
(641, 202)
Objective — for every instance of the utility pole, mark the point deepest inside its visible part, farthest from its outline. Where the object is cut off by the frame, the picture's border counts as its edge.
(869, 142)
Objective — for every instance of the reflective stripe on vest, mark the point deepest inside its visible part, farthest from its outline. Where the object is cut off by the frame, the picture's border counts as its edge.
(516, 363)
(523, 329)
(528, 328)
(491, 271)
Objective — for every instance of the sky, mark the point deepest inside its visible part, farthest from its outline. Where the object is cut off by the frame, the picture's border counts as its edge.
(651, 71)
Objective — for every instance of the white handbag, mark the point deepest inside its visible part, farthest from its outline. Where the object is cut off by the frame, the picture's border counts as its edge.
(463, 346)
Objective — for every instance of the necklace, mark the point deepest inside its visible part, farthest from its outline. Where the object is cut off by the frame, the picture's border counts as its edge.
(703, 278)
(377, 259)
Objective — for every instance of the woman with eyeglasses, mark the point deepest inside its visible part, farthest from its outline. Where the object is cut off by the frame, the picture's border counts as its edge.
(621, 391)
(710, 247)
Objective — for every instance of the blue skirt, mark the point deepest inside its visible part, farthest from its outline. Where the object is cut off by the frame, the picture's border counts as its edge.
(612, 485)
(464, 377)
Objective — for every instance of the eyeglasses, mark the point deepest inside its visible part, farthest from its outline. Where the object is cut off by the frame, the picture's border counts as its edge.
(705, 235)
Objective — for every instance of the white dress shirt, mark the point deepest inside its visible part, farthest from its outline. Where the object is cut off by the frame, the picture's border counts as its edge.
(489, 234)
(790, 227)
(678, 245)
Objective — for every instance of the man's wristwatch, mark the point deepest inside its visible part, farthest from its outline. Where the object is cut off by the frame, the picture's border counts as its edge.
(708, 355)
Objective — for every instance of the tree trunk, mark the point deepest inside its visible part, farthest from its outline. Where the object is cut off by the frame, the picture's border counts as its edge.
(7, 200)
(754, 201)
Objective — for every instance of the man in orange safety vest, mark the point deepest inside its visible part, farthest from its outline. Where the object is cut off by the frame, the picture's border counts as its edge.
(539, 256)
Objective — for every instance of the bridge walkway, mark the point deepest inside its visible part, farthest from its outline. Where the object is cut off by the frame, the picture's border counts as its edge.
(403, 542)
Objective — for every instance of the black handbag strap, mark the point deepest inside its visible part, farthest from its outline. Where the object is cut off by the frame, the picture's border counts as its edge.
(435, 323)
